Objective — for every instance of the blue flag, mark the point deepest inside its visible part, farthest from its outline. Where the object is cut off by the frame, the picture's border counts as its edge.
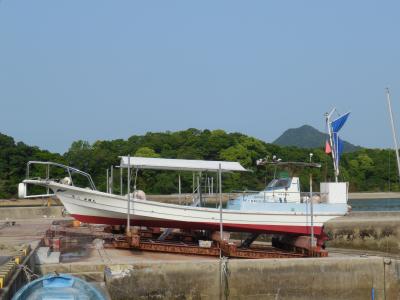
(339, 122)
(337, 148)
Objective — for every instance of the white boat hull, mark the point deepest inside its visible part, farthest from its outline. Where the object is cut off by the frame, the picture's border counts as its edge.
(97, 207)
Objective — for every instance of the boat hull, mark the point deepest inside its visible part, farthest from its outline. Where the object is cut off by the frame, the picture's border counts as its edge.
(263, 228)
(97, 207)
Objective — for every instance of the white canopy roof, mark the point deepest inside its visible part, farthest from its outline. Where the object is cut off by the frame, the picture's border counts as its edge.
(180, 164)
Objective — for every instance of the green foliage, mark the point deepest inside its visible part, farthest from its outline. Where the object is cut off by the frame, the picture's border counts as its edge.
(146, 152)
(13, 159)
(365, 169)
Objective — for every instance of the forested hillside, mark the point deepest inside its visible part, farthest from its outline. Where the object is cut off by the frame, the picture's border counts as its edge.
(13, 158)
(365, 169)
(307, 136)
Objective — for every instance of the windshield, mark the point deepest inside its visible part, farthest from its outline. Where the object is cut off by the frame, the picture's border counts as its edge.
(278, 184)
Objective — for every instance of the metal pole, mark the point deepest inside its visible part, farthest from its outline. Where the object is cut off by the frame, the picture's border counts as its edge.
(128, 218)
(273, 190)
(120, 181)
(107, 182)
(212, 185)
(328, 118)
(396, 147)
(389, 172)
(221, 227)
(199, 189)
(47, 177)
(216, 190)
(179, 187)
(311, 208)
(312, 213)
(27, 170)
(112, 179)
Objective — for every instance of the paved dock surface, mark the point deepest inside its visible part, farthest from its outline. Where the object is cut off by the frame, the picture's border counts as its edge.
(348, 273)
(26, 231)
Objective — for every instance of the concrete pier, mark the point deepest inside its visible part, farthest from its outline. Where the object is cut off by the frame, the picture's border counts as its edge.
(159, 276)
(324, 278)
(377, 231)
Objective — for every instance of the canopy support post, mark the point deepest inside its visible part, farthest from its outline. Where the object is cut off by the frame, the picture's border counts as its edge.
(179, 187)
(48, 177)
(120, 180)
(128, 218)
(107, 182)
(199, 188)
(111, 179)
(221, 228)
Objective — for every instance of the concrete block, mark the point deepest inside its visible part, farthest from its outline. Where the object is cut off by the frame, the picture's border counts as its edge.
(44, 256)
(41, 254)
(53, 258)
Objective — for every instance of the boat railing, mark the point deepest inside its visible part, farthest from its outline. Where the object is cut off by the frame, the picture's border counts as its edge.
(282, 195)
(70, 170)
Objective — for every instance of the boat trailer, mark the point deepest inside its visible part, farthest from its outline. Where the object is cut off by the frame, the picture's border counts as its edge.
(178, 241)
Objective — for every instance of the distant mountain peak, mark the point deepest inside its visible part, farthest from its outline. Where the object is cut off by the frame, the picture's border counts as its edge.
(307, 136)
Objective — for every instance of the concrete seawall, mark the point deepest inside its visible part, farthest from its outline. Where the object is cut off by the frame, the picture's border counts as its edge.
(330, 278)
(375, 195)
(377, 231)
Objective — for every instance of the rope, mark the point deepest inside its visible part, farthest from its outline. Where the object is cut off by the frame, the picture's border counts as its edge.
(29, 274)
(225, 273)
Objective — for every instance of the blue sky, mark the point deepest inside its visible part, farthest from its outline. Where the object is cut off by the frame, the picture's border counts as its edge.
(109, 69)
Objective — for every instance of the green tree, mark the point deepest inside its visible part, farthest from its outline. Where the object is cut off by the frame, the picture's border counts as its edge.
(146, 152)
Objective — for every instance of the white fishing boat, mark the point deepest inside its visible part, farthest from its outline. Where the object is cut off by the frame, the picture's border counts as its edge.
(279, 209)
(88, 205)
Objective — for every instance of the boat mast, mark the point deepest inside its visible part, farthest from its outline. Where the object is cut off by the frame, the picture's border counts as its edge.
(396, 148)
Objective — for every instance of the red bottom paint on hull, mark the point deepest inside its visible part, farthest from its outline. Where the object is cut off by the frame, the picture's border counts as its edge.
(278, 229)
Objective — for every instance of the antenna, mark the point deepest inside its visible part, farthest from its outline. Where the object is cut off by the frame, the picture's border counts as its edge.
(396, 147)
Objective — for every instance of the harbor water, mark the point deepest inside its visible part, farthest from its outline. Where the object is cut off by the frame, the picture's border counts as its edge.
(375, 204)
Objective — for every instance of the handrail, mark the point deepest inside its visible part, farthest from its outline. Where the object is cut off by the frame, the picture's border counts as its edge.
(272, 194)
(69, 169)
(275, 191)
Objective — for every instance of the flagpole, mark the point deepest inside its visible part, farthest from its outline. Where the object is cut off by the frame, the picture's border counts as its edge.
(333, 146)
(337, 157)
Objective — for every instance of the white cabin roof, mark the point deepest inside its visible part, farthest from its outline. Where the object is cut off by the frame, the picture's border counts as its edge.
(193, 165)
